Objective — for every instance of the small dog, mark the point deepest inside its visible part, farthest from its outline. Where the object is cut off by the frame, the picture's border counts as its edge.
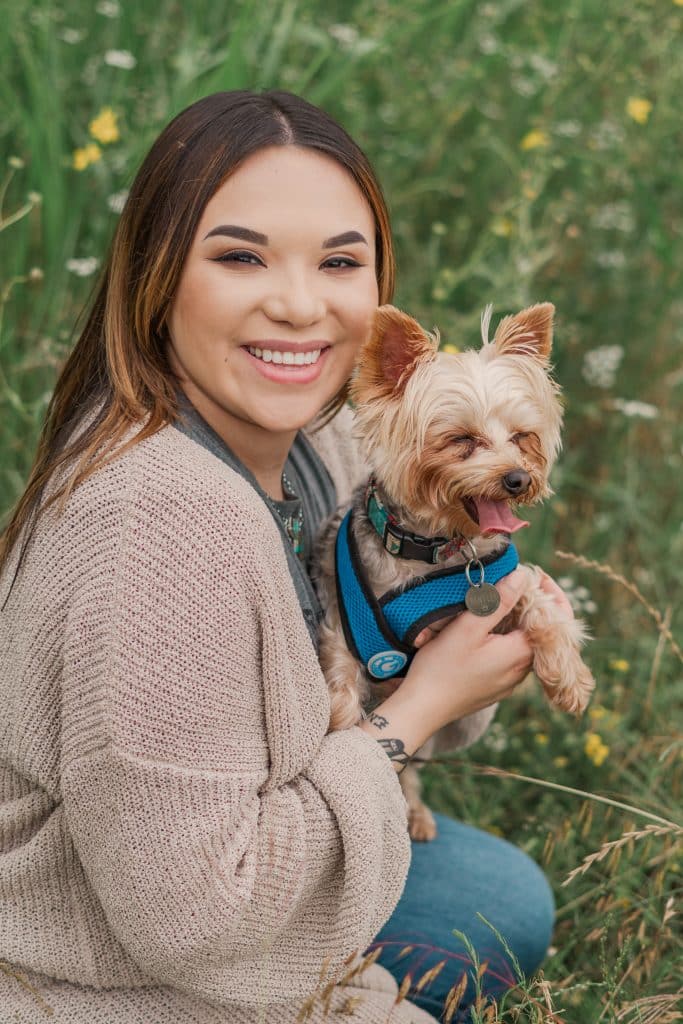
(452, 441)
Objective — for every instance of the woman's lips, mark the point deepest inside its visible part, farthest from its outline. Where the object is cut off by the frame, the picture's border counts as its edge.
(283, 373)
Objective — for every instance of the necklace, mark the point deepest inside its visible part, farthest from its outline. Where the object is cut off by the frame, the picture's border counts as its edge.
(294, 522)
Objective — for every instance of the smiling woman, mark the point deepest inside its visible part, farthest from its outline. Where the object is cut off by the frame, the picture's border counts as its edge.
(262, 338)
(181, 837)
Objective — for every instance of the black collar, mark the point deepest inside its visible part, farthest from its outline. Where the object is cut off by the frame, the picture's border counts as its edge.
(403, 543)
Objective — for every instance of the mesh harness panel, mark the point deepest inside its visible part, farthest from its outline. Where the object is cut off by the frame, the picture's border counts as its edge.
(380, 632)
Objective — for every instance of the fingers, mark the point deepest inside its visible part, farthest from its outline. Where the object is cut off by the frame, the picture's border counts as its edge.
(432, 630)
(510, 589)
(515, 653)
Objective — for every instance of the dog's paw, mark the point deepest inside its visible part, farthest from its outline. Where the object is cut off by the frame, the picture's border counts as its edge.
(569, 691)
(421, 824)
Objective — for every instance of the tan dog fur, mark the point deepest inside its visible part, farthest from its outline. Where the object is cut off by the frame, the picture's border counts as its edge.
(437, 428)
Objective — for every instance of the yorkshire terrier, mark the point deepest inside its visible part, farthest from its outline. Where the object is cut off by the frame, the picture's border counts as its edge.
(452, 442)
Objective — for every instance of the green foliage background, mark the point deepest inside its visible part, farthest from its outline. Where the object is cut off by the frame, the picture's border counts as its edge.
(518, 168)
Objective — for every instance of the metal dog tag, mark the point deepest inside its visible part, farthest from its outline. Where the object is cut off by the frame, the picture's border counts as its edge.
(482, 599)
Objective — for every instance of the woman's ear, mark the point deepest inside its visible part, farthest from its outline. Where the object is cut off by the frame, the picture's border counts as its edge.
(395, 347)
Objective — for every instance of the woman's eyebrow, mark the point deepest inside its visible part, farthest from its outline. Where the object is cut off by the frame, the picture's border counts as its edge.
(233, 231)
(344, 239)
(247, 235)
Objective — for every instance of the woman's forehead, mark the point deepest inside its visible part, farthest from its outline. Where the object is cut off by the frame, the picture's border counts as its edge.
(279, 185)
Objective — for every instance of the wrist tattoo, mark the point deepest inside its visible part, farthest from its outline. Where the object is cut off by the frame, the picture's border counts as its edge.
(378, 720)
(395, 750)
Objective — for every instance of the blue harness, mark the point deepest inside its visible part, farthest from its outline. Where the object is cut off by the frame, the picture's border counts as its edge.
(380, 632)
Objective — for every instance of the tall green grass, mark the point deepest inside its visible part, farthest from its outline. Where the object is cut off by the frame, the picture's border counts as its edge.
(529, 151)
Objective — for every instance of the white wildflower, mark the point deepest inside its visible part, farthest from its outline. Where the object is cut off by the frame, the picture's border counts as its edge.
(496, 738)
(488, 43)
(72, 35)
(108, 8)
(600, 365)
(614, 217)
(568, 129)
(607, 135)
(345, 35)
(120, 59)
(579, 597)
(635, 409)
(610, 259)
(349, 39)
(523, 85)
(117, 200)
(547, 69)
(83, 267)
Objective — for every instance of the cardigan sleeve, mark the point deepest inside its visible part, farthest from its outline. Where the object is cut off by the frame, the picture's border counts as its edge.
(230, 842)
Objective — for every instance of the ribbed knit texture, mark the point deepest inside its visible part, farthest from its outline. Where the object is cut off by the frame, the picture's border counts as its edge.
(180, 841)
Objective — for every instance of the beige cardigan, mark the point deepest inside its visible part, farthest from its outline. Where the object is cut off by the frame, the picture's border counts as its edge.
(180, 841)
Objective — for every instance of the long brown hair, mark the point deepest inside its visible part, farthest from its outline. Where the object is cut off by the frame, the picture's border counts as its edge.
(117, 374)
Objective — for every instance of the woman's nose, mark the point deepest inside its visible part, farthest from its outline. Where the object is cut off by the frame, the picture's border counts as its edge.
(294, 300)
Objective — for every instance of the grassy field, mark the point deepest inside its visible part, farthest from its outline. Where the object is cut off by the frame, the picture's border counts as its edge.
(529, 151)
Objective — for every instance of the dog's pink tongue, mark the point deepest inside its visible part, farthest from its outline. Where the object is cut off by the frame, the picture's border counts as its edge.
(496, 517)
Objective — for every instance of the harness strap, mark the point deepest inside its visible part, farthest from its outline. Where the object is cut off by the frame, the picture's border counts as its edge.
(381, 632)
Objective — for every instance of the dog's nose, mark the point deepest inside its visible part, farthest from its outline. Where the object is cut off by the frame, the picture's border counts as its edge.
(516, 481)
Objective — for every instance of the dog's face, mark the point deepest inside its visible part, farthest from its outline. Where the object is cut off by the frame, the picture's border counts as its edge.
(458, 439)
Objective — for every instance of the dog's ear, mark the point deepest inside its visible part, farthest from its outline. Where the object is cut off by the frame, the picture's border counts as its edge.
(395, 347)
(529, 333)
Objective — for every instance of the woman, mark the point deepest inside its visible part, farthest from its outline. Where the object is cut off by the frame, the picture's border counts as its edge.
(182, 840)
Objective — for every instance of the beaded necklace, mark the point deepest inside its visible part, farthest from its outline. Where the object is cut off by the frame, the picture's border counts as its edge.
(293, 523)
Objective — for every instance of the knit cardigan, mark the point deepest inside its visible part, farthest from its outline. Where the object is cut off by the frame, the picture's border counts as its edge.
(181, 840)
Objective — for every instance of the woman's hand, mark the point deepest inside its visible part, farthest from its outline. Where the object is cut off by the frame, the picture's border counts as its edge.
(463, 669)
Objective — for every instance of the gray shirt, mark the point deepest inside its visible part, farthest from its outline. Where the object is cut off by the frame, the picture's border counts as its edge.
(316, 496)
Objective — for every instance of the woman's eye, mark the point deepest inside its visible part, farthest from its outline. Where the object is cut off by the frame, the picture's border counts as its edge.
(341, 263)
(240, 256)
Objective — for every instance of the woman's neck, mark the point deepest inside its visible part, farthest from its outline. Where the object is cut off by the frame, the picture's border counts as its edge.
(263, 452)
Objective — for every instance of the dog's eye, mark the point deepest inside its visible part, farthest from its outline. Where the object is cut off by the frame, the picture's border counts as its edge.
(521, 435)
(466, 443)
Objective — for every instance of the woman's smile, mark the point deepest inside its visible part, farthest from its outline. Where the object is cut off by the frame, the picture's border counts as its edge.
(289, 363)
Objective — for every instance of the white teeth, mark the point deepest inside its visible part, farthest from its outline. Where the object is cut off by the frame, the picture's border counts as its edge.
(286, 358)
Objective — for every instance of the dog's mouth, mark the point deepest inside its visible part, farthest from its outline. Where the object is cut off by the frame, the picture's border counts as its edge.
(492, 516)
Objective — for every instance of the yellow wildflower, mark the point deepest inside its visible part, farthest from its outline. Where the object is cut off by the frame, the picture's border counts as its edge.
(542, 738)
(82, 158)
(639, 109)
(529, 193)
(595, 749)
(449, 347)
(105, 126)
(502, 227)
(679, 3)
(620, 664)
(561, 761)
(597, 712)
(534, 140)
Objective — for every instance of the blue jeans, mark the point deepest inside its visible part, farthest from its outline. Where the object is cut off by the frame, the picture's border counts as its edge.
(461, 872)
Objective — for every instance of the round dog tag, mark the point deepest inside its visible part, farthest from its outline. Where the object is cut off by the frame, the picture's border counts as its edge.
(386, 664)
(482, 599)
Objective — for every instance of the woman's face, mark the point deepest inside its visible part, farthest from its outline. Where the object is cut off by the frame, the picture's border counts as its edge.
(276, 294)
